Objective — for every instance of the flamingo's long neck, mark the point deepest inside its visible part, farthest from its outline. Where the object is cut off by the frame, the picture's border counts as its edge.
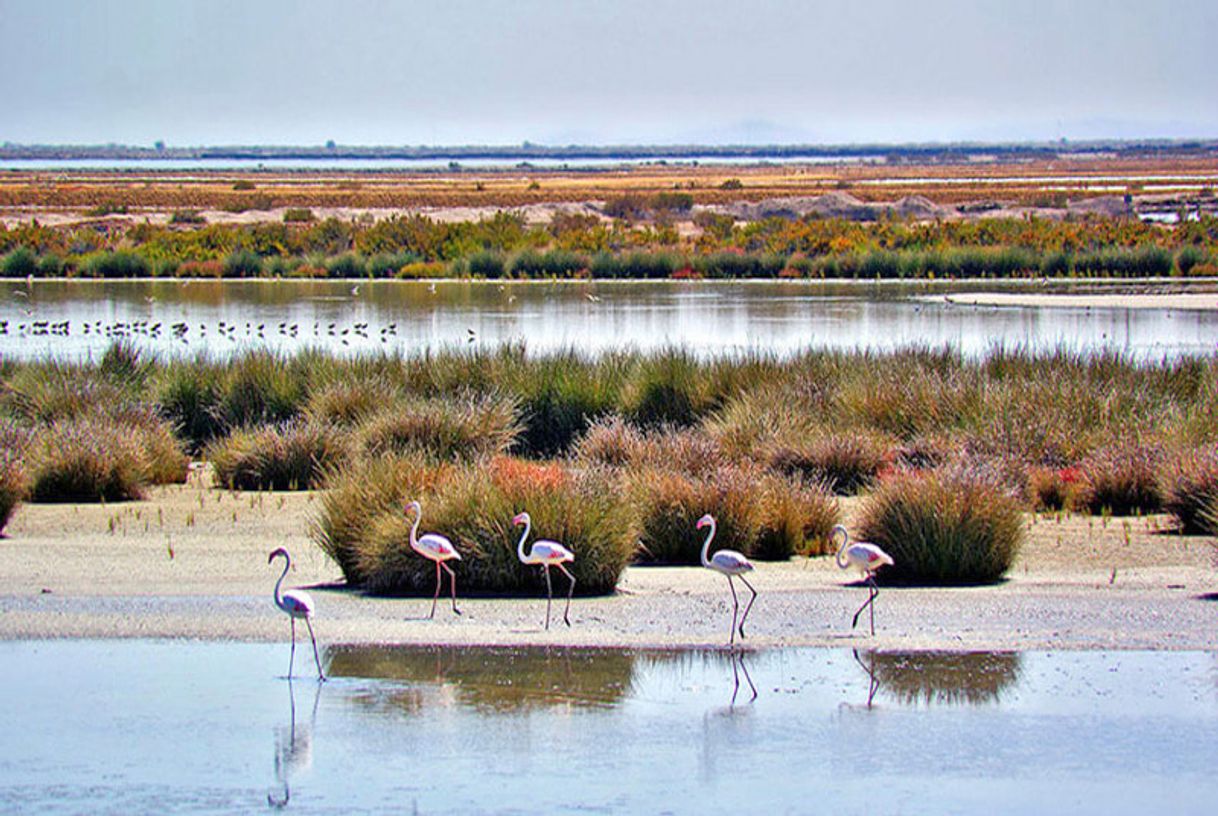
(707, 543)
(287, 562)
(841, 551)
(414, 528)
(528, 523)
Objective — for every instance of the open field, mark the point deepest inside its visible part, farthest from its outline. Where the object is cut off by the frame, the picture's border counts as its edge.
(981, 187)
(191, 562)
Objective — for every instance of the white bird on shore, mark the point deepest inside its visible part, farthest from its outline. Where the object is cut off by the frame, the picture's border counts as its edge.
(295, 604)
(437, 548)
(546, 554)
(866, 557)
(733, 565)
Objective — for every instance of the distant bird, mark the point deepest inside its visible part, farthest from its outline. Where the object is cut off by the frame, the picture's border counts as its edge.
(733, 565)
(864, 556)
(437, 548)
(296, 604)
(592, 297)
(355, 291)
(472, 335)
(546, 554)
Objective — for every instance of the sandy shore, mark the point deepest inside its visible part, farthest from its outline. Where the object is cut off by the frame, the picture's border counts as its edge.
(190, 562)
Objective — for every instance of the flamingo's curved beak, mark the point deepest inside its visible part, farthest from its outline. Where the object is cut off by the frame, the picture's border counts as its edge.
(518, 519)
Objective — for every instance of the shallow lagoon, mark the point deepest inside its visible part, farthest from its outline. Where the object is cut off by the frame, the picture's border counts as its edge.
(76, 319)
(155, 726)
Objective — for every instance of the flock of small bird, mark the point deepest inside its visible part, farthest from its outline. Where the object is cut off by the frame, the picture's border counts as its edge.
(182, 332)
(544, 553)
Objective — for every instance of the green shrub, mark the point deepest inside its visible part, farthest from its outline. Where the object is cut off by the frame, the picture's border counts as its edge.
(347, 265)
(561, 395)
(349, 402)
(667, 389)
(949, 526)
(20, 263)
(87, 459)
(289, 456)
(298, 215)
(186, 217)
(1122, 480)
(1189, 487)
(260, 388)
(242, 263)
(117, 265)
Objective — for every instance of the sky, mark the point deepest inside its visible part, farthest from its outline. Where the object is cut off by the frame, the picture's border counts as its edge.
(455, 72)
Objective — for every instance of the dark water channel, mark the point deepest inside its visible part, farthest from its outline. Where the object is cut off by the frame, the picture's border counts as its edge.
(158, 727)
(80, 319)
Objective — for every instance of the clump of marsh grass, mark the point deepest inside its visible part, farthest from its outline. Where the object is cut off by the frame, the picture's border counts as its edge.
(949, 526)
(1189, 487)
(668, 503)
(261, 388)
(350, 402)
(848, 461)
(668, 388)
(793, 517)
(86, 459)
(188, 395)
(1055, 488)
(1122, 480)
(14, 484)
(951, 678)
(356, 496)
(444, 429)
(609, 441)
(364, 527)
(287, 456)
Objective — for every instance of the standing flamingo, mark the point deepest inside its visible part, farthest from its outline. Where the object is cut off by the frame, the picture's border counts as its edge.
(732, 564)
(865, 556)
(547, 554)
(437, 548)
(296, 604)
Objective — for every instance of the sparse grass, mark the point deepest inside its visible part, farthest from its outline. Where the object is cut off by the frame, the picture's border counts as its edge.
(950, 526)
(1055, 488)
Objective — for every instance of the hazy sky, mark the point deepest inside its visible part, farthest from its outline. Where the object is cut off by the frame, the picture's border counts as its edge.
(618, 71)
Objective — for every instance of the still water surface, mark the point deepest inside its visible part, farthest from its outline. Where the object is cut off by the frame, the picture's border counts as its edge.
(80, 319)
(155, 727)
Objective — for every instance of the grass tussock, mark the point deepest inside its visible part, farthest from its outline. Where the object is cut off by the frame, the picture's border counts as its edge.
(86, 460)
(1122, 480)
(443, 429)
(580, 507)
(847, 462)
(14, 483)
(950, 526)
(1190, 489)
(289, 456)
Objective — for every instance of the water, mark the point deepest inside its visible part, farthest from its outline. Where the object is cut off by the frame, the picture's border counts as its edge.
(80, 319)
(155, 727)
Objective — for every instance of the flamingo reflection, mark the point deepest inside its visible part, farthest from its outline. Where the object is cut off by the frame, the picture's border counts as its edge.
(293, 749)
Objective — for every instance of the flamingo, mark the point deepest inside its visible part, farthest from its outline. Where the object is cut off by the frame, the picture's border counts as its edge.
(296, 604)
(547, 554)
(865, 556)
(732, 564)
(434, 547)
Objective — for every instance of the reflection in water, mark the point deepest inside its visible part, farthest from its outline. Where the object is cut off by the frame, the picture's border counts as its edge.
(293, 748)
(494, 679)
(74, 319)
(950, 678)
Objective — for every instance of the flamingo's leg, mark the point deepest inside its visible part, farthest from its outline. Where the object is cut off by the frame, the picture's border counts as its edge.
(875, 593)
(453, 576)
(435, 597)
(549, 594)
(731, 640)
(292, 656)
(570, 591)
(321, 675)
(750, 605)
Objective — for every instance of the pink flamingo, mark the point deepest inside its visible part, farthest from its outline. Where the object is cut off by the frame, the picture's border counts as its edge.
(732, 564)
(434, 547)
(547, 554)
(865, 556)
(296, 604)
